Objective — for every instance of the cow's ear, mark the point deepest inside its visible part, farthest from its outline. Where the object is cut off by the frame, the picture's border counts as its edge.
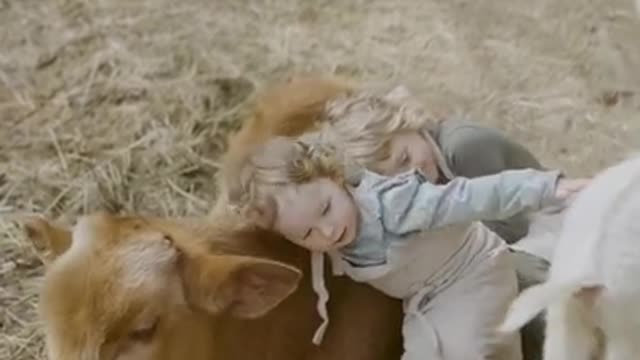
(48, 239)
(243, 286)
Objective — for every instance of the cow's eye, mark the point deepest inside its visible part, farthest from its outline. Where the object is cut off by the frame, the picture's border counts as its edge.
(145, 332)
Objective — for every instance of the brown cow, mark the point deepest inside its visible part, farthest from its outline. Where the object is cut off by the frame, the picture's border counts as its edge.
(127, 287)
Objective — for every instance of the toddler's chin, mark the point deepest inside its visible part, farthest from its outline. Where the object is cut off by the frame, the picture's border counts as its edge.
(345, 243)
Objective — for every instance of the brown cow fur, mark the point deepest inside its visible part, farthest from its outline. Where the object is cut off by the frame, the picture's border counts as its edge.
(165, 289)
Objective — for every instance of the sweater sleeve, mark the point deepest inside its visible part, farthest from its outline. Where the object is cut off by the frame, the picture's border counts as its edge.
(408, 203)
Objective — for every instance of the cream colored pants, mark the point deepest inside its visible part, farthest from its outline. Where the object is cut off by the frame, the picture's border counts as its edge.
(455, 316)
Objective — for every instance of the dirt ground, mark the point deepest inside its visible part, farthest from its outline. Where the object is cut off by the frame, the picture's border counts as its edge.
(126, 104)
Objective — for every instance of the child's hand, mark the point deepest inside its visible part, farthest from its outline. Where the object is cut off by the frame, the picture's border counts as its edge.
(567, 188)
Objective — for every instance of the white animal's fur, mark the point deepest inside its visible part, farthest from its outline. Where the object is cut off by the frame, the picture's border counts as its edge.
(593, 286)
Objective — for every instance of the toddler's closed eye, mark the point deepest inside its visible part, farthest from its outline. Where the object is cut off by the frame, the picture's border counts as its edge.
(326, 208)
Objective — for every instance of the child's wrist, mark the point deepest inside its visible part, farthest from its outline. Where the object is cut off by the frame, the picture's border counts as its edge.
(566, 188)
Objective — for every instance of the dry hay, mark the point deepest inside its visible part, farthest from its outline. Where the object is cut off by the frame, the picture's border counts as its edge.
(125, 104)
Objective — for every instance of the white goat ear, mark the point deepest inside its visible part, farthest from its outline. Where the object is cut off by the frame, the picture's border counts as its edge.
(398, 93)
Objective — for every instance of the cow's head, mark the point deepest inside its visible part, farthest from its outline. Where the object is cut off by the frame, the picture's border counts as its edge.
(120, 288)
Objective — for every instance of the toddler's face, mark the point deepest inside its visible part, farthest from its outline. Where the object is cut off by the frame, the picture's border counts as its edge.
(320, 215)
(409, 150)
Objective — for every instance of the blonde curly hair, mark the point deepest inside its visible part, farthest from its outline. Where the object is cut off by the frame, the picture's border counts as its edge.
(284, 161)
(360, 124)
(353, 134)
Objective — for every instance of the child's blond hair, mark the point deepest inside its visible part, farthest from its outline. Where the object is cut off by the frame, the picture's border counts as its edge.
(284, 161)
(361, 123)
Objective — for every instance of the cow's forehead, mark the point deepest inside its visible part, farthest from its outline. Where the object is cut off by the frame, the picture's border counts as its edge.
(127, 243)
(144, 263)
(109, 262)
(117, 273)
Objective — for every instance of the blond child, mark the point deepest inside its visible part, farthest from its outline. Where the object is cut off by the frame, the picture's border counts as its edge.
(407, 237)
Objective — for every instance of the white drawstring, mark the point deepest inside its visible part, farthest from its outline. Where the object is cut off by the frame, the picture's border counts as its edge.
(317, 280)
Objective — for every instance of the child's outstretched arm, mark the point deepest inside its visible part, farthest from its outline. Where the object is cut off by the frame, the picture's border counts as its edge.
(408, 203)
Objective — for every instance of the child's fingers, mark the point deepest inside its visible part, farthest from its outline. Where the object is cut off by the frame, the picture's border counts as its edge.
(569, 187)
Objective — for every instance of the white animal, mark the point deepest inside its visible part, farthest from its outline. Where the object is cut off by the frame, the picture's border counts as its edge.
(593, 290)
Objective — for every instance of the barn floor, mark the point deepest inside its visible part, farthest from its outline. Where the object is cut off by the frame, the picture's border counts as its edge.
(126, 104)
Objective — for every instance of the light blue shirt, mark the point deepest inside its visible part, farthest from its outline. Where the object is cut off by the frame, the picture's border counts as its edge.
(393, 208)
